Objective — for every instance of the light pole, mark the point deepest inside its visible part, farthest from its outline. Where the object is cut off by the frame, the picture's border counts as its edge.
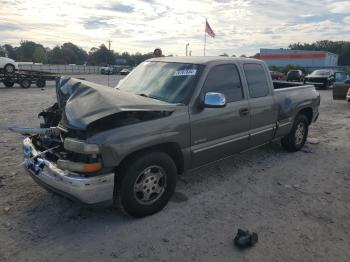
(187, 48)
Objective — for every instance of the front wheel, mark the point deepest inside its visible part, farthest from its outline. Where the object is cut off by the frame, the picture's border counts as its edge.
(9, 68)
(146, 184)
(296, 138)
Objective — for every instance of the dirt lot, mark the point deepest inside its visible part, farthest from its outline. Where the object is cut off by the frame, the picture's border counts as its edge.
(298, 203)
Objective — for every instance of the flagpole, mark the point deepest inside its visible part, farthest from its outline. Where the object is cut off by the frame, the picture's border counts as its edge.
(205, 35)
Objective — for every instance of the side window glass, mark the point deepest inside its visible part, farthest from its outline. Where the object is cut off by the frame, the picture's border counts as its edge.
(257, 81)
(224, 79)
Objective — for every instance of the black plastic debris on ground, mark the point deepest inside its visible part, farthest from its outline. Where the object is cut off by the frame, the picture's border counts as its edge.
(245, 239)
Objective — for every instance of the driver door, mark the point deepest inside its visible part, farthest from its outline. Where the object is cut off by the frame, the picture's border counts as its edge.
(219, 132)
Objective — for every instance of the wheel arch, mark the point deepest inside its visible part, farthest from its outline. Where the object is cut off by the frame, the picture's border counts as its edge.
(170, 148)
(308, 112)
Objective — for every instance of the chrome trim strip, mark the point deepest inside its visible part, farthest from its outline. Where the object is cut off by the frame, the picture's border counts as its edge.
(262, 131)
(219, 144)
(284, 124)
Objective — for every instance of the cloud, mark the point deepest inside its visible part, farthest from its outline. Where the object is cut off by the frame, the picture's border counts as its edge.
(241, 26)
(340, 7)
(9, 27)
(121, 8)
(96, 23)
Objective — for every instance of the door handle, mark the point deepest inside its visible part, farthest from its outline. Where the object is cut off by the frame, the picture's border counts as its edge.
(243, 111)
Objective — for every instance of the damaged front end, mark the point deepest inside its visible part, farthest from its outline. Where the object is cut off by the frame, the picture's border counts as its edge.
(58, 155)
(68, 166)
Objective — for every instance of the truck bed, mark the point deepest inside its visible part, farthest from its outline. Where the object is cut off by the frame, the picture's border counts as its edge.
(285, 84)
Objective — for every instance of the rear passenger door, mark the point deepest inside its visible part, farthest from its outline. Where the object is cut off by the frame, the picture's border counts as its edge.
(220, 132)
(263, 110)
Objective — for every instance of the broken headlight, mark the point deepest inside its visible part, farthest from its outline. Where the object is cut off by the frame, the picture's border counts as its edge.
(79, 146)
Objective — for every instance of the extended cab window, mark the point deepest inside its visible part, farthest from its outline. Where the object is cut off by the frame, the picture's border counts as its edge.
(224, 79)
(257, 81)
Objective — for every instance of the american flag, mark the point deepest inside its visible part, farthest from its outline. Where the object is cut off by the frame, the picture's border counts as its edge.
(208, 29)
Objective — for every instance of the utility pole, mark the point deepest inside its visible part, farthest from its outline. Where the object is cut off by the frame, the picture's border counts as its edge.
(109, 51)
(187, 48)
(109, 68)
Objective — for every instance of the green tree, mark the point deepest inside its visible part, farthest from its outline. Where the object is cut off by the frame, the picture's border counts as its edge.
(74, 54)
(2, 51)
(39, 55)
(56, 56)
(26, 50)
(101, 56)
(11, 51)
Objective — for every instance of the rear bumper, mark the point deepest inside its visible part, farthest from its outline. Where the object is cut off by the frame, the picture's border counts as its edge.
(87, 190)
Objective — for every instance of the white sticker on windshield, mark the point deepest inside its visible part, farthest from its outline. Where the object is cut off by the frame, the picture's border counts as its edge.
(186, 72)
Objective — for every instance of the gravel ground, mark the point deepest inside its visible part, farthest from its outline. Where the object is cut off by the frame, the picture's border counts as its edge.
(298, 203)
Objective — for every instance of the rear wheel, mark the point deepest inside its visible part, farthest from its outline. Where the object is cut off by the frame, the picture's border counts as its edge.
(146, 183)
(25, 83)
(9, 68)
(40, 83)
(296, 138)
(8, 82)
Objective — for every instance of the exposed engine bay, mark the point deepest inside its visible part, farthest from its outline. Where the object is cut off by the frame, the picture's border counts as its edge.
(82, 110)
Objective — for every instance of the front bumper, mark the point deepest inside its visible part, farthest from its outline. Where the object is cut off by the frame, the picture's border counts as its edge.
(87, 190)
(316, 84)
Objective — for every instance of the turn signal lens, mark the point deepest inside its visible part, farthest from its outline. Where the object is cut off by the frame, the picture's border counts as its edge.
(78, 167)
(92, 167)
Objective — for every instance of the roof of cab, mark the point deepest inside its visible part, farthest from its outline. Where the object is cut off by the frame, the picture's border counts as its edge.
(202, 60)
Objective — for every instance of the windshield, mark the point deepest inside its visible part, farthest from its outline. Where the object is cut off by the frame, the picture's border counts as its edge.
(321, 73)
(293, 73)
(169, 82)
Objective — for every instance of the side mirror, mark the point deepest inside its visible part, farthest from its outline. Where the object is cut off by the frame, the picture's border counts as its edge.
(347, 81)
(214, 100)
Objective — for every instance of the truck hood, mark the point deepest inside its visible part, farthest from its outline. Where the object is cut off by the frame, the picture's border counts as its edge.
(84, 103)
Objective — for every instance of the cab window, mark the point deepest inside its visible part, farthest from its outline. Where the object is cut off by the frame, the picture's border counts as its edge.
(257, 80)
(224, 79)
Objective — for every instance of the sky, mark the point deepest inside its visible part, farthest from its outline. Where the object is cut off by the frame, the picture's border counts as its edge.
(241, 26)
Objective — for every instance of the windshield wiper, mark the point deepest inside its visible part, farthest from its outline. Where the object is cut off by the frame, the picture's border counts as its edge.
(144, 95)
(148, 96)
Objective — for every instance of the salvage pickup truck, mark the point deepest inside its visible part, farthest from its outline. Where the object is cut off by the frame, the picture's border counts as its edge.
(127, 144)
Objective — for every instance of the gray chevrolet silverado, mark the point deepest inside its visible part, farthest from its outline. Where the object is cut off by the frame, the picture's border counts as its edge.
(126, 145)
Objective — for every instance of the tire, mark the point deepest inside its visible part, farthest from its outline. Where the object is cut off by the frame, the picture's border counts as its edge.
(40, 83)
(25, 83)
(326, 86)
(296, 138)
(8, 82)
(9, 68)
(147, 182)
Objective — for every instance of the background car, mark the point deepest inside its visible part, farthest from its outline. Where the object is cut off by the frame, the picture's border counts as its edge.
(295, 76)
(125, 71)
(275, 75)
(9, 65)
(323, 78)
(108, 70)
